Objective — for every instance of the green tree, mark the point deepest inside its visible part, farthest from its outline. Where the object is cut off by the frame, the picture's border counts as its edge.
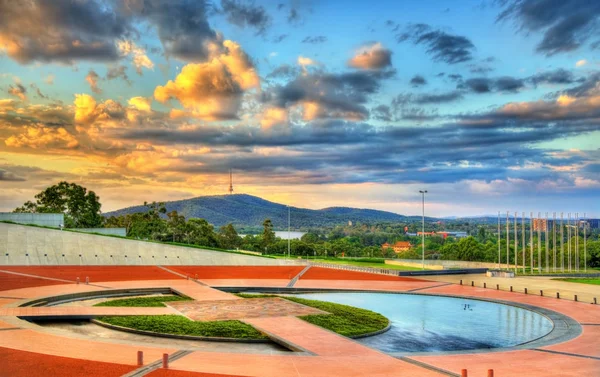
(228, 237)
(176, 225)
(80, 206)
(268, 235)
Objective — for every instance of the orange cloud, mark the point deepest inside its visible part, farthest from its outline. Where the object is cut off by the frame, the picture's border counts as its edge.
(43, 137)
(274, 116)
(564, 106)
(92, 79)
(18, 91)
(140, 59)
(87, 110)
(212, 90)
(371, 57)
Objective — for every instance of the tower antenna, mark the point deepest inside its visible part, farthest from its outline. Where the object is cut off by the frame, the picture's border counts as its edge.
(230, 183)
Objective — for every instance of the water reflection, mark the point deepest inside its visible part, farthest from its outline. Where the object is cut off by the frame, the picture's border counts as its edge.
(430, 323)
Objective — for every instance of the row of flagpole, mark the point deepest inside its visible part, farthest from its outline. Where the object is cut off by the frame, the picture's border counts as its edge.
(573, 251)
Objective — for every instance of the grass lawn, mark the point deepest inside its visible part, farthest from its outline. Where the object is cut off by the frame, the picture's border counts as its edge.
(344, 320)
(594, 281)
(180, 325)
(351, 262)
(154, 301)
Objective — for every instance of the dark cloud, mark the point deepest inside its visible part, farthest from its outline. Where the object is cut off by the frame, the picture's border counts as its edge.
(344, 94)
(315, 39)
(455, 77)
(486, 85)
(382, 112)
(565, 25)
(182, 26)
(280, 38)
(61, 30)
(38, 92)
(451, 49)
(118, 72)
(589, 86)
(246, 15)
(6, 175)
(284, 71)
(294, 16)
(558, 76)
(18, 90)
(480, 68)
(426, 98)
(418, 80)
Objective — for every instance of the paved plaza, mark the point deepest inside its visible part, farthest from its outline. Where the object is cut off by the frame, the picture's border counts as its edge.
(318, 352)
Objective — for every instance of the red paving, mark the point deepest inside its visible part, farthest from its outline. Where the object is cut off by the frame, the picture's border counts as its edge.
(11, 281)
(55, 355)
(239, 272)
(95, 273)
(180, 373)
(14, 363)
(321, 273)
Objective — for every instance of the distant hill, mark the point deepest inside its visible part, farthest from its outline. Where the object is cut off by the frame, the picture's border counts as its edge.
(250, 211)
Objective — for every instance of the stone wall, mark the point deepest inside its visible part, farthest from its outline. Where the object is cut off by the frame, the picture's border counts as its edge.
(26, 245)
(54, 220)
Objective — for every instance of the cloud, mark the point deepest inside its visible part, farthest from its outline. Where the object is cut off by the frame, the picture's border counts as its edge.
(486, 85)
(43, 137)
(246, 15)
(283, 71)
(374, 56)
(88, 111)
(140, 59)
(60, 30)
(8, 176)
(18, 90)
(558, 76)
(382, 112)
(49, 79)
(274, 116)
(140, 103)
(315, 39)
(445, 47)
(581, 63)
(329, 95)
(182, 26)
(92, 79)
(427, 98)
(212, 90)
(280, 38)
(116, 72)
(565, 25)
(38, 92)
(417, 81)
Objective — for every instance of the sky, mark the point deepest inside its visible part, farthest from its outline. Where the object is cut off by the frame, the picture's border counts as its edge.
(488, 105)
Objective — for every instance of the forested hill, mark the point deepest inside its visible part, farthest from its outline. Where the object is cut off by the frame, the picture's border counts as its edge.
(251, 211)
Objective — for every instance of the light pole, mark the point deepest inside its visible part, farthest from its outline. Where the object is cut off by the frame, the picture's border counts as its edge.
(423, 192)
(289, 240)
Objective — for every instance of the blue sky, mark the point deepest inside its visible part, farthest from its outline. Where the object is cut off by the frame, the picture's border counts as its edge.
(491, 105)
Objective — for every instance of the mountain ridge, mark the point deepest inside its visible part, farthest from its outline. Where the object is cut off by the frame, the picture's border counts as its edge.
(250, 211)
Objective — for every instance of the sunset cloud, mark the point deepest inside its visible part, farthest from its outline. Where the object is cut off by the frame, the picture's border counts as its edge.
(43, 137)
(92, 79)
(139, 58)
(374, 56)
(18, 91)
(212, 90)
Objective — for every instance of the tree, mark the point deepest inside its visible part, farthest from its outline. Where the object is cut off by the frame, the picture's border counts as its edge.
(228, 237)
(268, 235)
(176, 225)
(80, 206)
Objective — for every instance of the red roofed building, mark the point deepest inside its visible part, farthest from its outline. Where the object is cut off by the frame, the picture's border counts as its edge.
(398, 247)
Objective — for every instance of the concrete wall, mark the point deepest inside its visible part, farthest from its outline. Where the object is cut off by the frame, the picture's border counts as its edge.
(44, 219)
(26, 245)
(443, 264)
(110, 231)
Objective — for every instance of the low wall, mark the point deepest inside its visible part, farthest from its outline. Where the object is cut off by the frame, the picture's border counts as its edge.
(110, 231)
(54, 220)
(22, 245)
(437, 264)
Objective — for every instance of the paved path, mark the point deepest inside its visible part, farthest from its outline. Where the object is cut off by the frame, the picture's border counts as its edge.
(329, 354)
(567, 290)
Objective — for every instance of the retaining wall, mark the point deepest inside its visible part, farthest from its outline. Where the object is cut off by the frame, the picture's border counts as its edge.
(438, 264)
(22, 245)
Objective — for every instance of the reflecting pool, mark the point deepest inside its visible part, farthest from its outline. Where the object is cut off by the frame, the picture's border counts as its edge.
(431, 323)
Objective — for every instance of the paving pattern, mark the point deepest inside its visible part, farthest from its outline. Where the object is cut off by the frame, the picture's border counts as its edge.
(240, 309)
(325, 353)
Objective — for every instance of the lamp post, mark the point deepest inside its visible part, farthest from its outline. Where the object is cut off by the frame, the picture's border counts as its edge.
(289, 240)
(423, 192)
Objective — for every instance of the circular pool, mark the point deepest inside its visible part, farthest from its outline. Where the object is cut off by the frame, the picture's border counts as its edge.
(422, 323)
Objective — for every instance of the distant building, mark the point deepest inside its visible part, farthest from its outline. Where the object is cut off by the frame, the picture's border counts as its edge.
(398, 246)
(591, 223)
(540, 224)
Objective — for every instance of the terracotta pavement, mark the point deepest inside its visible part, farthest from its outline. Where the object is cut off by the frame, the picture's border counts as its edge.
(327, 354)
